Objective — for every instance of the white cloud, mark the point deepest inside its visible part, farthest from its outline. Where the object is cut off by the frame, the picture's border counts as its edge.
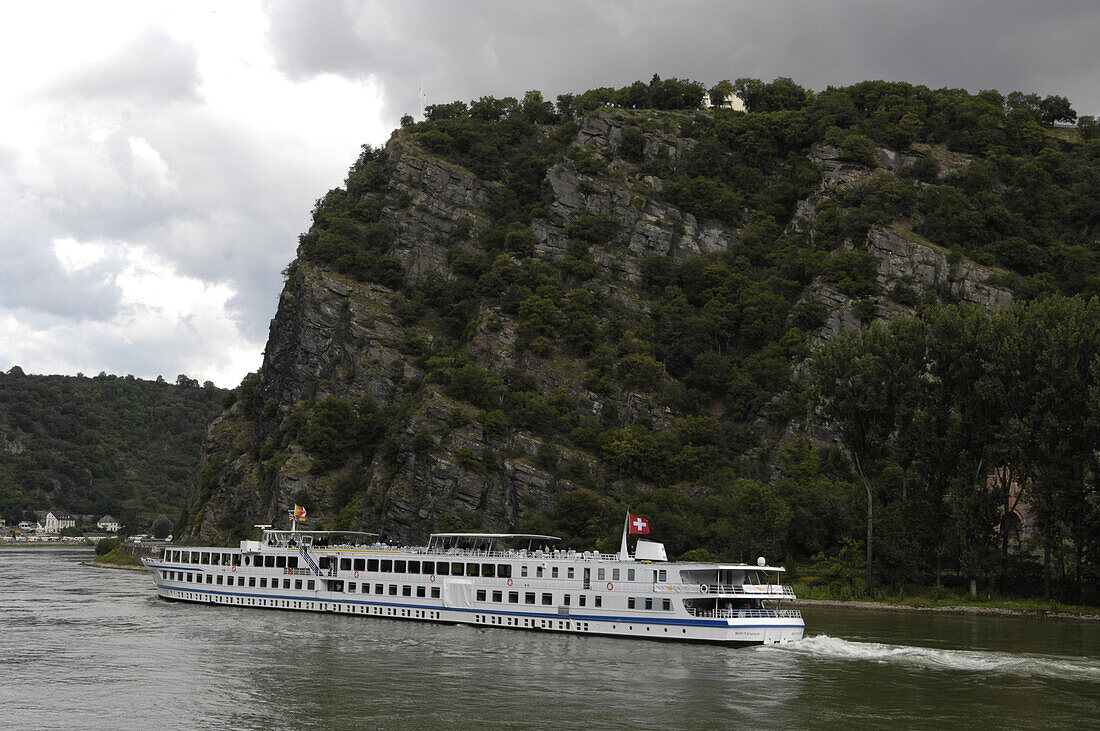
(165, 324)
(74, 256)
(156, 171)
(150, 167)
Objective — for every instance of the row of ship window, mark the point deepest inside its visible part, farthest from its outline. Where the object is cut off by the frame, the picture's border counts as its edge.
(385, 565)
(528, 622)
(320, 606)
(204, 557)
(529, 597)
(547, 599)
(421, 591)
(234, 580)
(458, 568)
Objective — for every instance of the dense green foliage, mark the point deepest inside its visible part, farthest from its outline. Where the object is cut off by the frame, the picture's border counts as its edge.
(106, 545)
(103, 445)
(710, 342)
(959, 417)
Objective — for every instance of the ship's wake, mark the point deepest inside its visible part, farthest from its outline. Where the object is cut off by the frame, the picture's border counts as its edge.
(929, 658)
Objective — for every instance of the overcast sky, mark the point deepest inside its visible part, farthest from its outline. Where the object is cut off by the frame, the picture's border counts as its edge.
(159, 159)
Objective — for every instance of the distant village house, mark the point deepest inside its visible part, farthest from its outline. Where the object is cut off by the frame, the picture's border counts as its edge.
(55, 523)
(108, 524)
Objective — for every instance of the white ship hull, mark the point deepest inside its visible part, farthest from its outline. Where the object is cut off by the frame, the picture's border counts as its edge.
(553, 591)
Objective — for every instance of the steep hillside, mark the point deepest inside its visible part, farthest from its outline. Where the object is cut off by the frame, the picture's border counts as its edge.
(525, 316)
(100, 445)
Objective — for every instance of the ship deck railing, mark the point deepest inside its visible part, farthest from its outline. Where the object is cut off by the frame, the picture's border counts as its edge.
(745, 613)
(764, 591)
(300, 571)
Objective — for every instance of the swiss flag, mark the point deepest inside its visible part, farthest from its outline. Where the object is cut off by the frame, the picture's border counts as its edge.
(638, 525)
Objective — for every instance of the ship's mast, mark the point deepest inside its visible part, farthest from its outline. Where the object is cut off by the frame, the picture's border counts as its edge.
(624, 554)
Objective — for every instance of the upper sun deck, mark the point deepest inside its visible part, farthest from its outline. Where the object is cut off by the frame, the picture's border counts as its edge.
(313, 538)
(489, 542)
(480, 545)
(477, 545)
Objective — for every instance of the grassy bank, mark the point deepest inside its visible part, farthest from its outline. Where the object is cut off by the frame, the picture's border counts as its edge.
(117, 557)
(942, 599)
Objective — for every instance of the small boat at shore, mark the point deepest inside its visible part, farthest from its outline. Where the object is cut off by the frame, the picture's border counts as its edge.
(509, 580)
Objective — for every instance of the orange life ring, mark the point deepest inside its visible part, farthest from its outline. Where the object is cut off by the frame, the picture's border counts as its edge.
(357, 574)
(431, 578)
(234, 568)
(509, 582)
(610, 586)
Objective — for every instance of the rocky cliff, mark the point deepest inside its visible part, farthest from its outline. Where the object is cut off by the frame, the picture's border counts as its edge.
(400, 407)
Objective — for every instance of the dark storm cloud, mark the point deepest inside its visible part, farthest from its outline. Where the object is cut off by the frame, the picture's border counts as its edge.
(152, 66)
(465, 50)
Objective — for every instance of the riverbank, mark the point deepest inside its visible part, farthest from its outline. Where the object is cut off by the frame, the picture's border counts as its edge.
(109, 565)
(1083, 614)
(46, 544)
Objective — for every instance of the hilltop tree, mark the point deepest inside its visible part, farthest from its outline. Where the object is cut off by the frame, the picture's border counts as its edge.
(1054, 109)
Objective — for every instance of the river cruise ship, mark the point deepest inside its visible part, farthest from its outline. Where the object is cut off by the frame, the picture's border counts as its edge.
(516, 581)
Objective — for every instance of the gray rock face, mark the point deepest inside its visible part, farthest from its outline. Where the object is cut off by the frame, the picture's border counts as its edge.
(436, 196)
(330, 332)
(927, 269)
(929, 272)
(12, 442)
(835, 170)
(649, 227)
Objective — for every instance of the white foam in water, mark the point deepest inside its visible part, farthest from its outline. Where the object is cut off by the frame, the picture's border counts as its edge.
(933, 659)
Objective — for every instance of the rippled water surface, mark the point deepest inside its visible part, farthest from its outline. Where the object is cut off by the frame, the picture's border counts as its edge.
(93, 648)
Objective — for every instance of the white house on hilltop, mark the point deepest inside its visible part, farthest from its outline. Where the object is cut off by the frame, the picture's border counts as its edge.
(107, 523)
(732, 101)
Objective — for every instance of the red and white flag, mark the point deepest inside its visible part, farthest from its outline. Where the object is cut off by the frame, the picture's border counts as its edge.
(299, 513)
(638, 525)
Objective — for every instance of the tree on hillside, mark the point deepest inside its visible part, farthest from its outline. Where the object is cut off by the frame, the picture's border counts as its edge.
(162, 527)
(720, 91)
(781, 94)
(1054, 109)
(855, 379)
